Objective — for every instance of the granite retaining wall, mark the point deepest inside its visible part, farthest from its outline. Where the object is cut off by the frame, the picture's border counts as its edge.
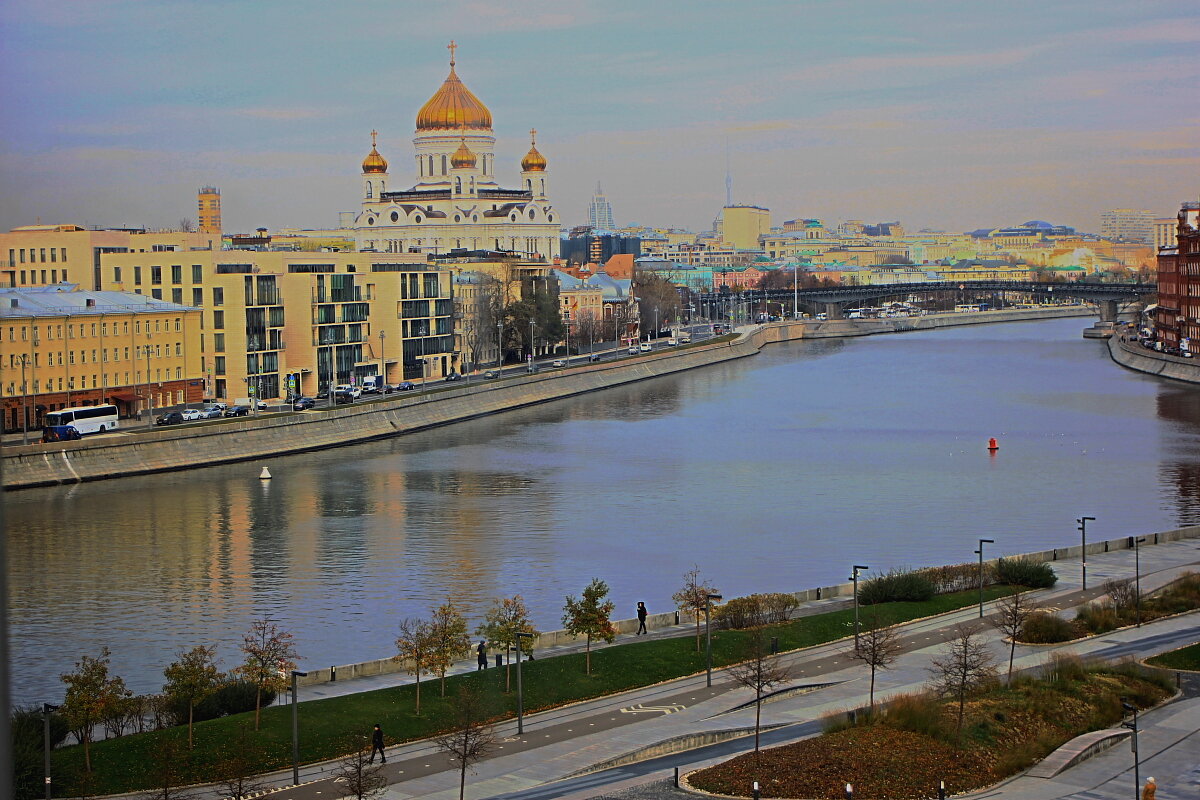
(1132, 355)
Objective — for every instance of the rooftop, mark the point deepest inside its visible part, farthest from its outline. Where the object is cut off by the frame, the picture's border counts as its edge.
(67, 299)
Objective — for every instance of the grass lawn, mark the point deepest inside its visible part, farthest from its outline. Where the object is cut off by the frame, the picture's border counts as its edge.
(1187, 658)
(905, 751)
(337, 725)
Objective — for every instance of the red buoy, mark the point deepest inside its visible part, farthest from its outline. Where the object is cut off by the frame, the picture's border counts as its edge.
(992, 444)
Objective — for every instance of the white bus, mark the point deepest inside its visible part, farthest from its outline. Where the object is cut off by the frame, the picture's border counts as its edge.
(85, 419)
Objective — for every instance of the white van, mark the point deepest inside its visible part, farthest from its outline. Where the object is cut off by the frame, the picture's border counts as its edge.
(371, 385)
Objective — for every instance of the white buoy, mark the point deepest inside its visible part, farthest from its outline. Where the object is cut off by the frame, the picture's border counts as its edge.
(265, 475)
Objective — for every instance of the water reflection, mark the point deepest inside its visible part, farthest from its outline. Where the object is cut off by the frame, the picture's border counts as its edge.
(771, 473)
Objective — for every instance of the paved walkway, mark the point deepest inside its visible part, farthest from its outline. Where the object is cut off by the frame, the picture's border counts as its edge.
(561, 742)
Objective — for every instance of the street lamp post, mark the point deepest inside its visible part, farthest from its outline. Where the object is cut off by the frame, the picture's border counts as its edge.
(1137, 578)
(982, 542)
(854, 577)
(520, 690)
(149, 405)
(1133, 726)
(382, 362)
(295, 730)
(531, 348)
(46, 709)
(795, 291)
(708, 599)
(500, 347)
(1083, 521)
(24, 404)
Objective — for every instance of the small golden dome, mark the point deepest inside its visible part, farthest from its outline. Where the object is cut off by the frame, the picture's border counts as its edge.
(533, 160)
(463, 157)
(453, 107)
(374, 163)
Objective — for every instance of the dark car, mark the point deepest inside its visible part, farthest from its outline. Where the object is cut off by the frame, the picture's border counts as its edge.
(169, 418)
(237, 411)
(342, 397)
(491, 373)
(60, 433)
(453, 376)
(594, 357)
(403, 386)
(304, 403)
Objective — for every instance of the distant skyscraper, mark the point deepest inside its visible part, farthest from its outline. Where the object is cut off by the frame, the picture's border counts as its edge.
(1129, 224)
(600, 212)
(210, 210)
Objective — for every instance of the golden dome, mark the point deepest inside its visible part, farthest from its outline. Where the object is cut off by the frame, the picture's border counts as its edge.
(533, 160)
(453, 106)
(374, 163)
(463, 157)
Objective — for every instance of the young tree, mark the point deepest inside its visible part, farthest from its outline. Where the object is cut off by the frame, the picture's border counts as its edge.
(414, 647)
(588, 327)
(658, 299)
(692, 597)
(164, 768)
(471, 739)
(449, 639)
(759, 672)
(270, 658)
(191, 679)
(878, 647)
(355, 776)
(1011, 614)
(91, 696)
(966, 666)
(589, 617)
(507, 617)
(236, 774)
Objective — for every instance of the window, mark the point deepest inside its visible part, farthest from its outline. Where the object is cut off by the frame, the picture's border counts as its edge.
(219, 365)
(218, 296)
(219, 342)
(43, 255)
(197, 296)
(53, 256)
(137, 276)
(63, 252)
(156, 294)
(176, 273)
(219, 320)
(155, 275)
(369, 191)
(177, 296)
(178, 348)
(22, 255)
(197, 273)
(116, 274)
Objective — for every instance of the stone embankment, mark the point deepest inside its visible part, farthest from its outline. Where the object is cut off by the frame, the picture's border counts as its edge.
(190, 446)
(1131, 355)
(547, 639)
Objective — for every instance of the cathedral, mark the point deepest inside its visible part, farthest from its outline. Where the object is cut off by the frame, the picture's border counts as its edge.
(456, 202)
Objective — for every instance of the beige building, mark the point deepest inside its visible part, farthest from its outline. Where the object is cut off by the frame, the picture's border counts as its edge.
(62, 347)
(209, 207)
(308, 321)
(477, 316)
(741, 226)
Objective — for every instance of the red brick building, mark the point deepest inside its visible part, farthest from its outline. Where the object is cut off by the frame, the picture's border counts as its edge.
(1177, 318)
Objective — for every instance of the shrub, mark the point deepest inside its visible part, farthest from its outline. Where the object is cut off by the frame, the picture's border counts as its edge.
(1064, 669)
(1099, 617)
(919, 713)
(1121, 594)
(896, 585)
(757, 609)
(955, 577)
(235, 697)
(1045, 628)
(1025, 572)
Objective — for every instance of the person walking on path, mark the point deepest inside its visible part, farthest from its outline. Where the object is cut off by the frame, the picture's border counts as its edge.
(641, 618)
(377, 745)
(1149, 790)
(481, 653)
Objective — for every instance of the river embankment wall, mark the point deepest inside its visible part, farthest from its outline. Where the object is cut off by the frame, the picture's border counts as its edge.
(1131, 355)
(247, 439)
(546, 639)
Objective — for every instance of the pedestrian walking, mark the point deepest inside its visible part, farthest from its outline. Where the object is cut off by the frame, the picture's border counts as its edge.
(641, 618)
(377, 745)
(1149, 790)
(481, 655)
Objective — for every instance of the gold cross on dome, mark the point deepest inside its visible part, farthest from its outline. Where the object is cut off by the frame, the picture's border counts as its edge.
(533, 135)
(374, 133)
(452, 47)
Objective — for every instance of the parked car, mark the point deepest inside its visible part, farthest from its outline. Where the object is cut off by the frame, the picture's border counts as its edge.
(60, 433)
(645, 347)
(212, 413)
(558, 362)
(594, 357)
(169, 418)
(304, 403)
(672, 341)
(190, 414)
(354, 391)
(633, 350)
(218, 407)
(237, 411)
(491, 373)
(261, 405)
(403, 386)
(341, 397)
(453, 376)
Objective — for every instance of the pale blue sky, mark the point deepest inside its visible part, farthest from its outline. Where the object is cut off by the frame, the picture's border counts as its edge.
(952, 115)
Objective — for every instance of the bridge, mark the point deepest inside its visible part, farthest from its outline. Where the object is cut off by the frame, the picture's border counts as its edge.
(833, 299)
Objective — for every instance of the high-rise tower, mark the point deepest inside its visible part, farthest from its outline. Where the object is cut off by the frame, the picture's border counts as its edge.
(600, 212)
(210, 210)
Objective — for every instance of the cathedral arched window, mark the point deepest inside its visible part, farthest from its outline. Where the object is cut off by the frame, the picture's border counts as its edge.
(542, 191)
(472, 186)
(431, 166)
(528, 185)
(395, 217)
(458, 185)
(420, 167)
(443, 164)
(369, 192)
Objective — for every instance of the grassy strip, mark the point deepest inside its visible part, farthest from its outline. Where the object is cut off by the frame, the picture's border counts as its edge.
(337, 725)
(1187, 658)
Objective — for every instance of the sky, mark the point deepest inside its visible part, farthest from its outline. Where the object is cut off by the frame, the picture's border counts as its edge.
(944, 115)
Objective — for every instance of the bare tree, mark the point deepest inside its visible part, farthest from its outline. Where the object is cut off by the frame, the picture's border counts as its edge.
(967, 666)
(878, 647)
(90, 698)
(1011, 614)
(590, 616)
(414, 647)
(164, 767)
(1122, 594)
(759, 672)
(449, 640)
(186, 225)
(191, 679)
(658, 299)
(472, 738)
(237, 773)
(507, 617)
(692, 597)
(587, 326)
(355, 776)
(270, 658)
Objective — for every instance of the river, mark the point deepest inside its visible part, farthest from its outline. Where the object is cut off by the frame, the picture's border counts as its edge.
(771, 473)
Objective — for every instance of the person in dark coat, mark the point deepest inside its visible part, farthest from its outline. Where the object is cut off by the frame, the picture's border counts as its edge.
(377, 745)
(481, 653)
(641, 618)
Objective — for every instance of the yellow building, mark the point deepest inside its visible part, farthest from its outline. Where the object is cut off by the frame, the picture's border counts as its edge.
(741, 226)
(477, 316)
(62, 347)
(276, 322)
(209, 207)
(40, 255)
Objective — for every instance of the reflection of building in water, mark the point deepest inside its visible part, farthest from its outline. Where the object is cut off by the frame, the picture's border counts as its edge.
(1179, 472)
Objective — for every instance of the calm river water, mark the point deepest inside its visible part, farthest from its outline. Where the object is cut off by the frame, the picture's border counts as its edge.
(774, 473)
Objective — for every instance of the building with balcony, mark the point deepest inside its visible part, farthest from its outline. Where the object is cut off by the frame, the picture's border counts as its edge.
(1177, 317)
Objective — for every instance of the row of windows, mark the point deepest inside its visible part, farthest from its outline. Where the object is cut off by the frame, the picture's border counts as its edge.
(33, 277)
(56, 254)
(57, 331)
(69, 385)
(16, 360)
(156, 274)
